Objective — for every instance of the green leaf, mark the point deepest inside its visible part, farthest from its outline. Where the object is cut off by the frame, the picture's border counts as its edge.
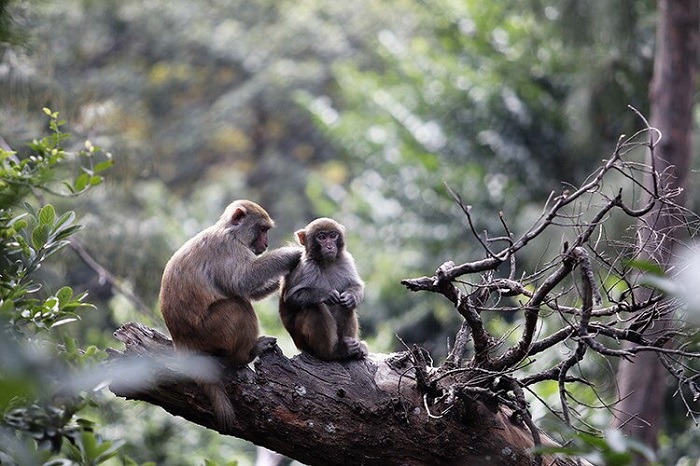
(68, 231)
(50, 305)
(64, 295)
(109, 449)
(60, 322)
(81, 182)
(88, 442)
(102, 166)
(646, 266)
(5, 154)
(47, 215)
(70, 345)
(66, 218)
(7, 307)
(20, 224)
(40, 236)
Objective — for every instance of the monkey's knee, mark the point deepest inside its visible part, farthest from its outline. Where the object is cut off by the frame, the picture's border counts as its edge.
(242, 351)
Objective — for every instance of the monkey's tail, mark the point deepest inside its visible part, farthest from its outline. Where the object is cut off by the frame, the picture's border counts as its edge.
(221, 406)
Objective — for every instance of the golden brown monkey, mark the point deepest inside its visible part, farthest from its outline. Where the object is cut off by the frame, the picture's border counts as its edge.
(208, 285)
(319, 297)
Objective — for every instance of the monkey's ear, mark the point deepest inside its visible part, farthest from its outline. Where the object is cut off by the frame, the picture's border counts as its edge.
(238, 215)
(301, 237)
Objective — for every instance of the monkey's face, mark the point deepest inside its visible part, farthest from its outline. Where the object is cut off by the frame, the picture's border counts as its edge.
(259, 244)
(249, 223)
(327, 244)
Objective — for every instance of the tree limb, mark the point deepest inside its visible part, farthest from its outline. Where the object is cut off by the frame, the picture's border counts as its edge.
(363, 412)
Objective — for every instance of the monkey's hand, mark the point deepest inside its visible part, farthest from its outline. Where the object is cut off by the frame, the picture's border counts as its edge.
(332, 298)
(348, 300)
(263, 344)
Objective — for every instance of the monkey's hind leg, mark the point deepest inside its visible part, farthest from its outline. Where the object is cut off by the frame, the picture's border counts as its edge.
(349, 345)
(230, 329)
(318, 332)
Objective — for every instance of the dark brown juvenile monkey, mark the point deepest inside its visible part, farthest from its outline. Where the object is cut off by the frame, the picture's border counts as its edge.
(318, 297)
(208, 285)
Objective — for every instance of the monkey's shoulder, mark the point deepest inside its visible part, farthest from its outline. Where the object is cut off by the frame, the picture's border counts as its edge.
(208, 254)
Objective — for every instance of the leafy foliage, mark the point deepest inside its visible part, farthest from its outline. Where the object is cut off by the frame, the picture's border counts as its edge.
(42, 422)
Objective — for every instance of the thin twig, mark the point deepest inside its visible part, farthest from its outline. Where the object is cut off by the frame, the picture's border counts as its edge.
(105, 276)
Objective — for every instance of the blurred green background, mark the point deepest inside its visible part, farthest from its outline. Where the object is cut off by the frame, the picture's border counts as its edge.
(363, 111)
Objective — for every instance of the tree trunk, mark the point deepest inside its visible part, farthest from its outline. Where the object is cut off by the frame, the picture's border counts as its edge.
(357, 412)
(641, 381)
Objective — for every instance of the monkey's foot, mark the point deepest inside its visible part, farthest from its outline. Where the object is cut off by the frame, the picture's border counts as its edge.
(356, 349)
(263, 344)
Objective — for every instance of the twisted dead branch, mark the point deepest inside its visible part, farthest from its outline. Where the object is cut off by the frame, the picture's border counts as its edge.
(592, 312)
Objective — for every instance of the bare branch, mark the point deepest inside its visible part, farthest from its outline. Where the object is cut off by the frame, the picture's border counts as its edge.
(456, 356)
(597, 310)
(106, 276)
(466, 210)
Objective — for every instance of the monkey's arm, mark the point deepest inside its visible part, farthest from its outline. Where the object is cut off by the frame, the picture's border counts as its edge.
(302, 297)
(265, 269)
(352, 296)
(354, 293)
(267, 289)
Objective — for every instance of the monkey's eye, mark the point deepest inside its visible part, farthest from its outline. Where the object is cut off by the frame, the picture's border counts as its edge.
(333, 235)
(321, 236)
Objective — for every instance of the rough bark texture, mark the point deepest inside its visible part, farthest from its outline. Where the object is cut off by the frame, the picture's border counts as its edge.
(672, 98)
(357, 412)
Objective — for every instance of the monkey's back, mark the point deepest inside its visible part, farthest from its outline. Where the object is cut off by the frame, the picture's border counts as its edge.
(187, 287)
